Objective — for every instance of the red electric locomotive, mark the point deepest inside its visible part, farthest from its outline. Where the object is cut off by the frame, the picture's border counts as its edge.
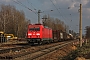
(37, 33)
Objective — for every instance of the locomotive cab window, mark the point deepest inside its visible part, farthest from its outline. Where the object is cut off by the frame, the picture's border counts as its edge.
(34, 29)
(31, 29)
(37, 29)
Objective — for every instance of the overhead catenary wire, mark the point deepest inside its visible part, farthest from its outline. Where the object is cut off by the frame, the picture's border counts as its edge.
(33, 7)
(62, 12)
(31, 4)
(57, 9)
(18, 2)
(39, 11)
(21, 4)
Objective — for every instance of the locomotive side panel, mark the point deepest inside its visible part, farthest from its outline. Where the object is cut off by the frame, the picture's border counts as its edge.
(47, 34)
(50, 34)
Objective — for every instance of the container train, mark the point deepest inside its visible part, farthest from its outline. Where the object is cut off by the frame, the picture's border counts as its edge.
(37, 33)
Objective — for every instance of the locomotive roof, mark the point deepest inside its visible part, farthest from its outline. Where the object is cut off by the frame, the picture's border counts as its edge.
(42, 25)
(35, 24)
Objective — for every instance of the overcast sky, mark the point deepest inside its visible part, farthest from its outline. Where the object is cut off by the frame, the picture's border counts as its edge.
(60, 10)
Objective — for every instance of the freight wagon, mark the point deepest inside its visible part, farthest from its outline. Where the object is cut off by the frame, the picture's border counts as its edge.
(57, 35)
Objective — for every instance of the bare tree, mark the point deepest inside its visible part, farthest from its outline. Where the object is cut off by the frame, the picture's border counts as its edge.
(55, 24)
(87, 32)
(12, 21)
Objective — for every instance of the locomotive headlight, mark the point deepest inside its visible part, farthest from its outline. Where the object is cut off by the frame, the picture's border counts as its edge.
(37, 34)
(29, 34)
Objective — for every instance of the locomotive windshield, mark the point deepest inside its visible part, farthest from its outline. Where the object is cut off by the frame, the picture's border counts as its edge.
(34, 29)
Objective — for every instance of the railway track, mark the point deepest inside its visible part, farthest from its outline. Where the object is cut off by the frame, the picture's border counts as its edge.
(20, 51)
(13, 49)
(37, 54)
(30, 53)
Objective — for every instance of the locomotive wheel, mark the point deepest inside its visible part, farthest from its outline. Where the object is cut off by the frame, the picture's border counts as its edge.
(48, 42)
(40, 43)
(30, 43)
